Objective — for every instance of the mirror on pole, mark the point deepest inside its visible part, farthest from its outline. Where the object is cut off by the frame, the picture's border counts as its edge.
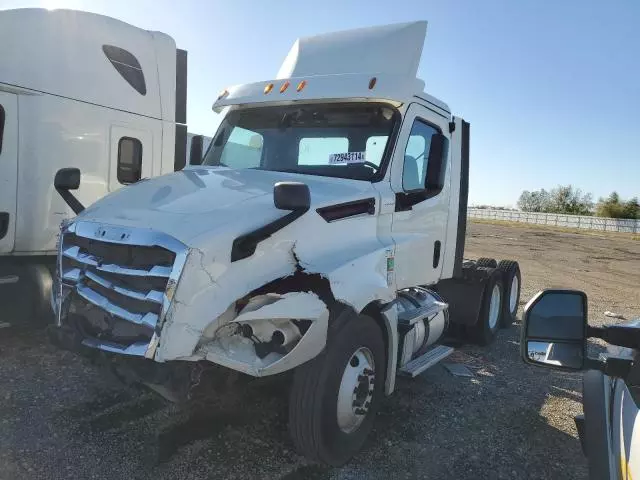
(554, 331)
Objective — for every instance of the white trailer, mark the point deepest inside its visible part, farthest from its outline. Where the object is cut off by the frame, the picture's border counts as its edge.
(323, 234)
(76, 90)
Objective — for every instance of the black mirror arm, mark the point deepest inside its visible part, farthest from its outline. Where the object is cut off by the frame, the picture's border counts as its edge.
(71, 200)
(615, 335)
(611, 366)
(594, 364)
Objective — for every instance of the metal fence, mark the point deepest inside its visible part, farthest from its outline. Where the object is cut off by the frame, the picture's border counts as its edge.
(559, 220)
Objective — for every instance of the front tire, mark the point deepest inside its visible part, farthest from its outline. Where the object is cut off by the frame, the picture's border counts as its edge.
(335, 397)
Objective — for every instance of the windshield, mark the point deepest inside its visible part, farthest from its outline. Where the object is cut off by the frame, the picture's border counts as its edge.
(335, 140)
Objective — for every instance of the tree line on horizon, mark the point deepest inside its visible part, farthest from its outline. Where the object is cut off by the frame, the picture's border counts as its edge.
(566, 199)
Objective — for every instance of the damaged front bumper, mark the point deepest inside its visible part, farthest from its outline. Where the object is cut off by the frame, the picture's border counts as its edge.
(177, 382)
(117, 290)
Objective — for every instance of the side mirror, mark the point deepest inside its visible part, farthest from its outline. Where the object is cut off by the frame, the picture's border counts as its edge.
(291, 196)
(196, 150)
(437, 163)
(67, 179)
(555, 329)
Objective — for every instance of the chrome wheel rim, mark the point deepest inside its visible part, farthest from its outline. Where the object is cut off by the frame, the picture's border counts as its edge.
(494, 306)
(356, 390)
(513, 295)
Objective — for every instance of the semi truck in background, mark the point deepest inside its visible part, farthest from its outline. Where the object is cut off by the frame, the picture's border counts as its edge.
(323, 236)
(77, 90)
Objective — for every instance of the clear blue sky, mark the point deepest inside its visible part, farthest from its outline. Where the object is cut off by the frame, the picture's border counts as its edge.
(551, 88)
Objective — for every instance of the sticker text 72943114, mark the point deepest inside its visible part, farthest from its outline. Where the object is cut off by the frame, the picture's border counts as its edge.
(347, 157)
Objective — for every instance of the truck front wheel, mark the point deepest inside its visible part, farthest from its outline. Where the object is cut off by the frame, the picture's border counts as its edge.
(335, 396)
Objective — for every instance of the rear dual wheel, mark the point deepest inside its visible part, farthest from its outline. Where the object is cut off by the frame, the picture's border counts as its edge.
(491, 310)
(512, 282)
(486, 262)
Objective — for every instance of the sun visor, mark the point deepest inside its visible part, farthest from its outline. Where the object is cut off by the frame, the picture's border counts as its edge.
(393, 49)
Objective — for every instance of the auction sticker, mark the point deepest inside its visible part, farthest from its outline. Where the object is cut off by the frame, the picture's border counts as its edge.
(348, 157)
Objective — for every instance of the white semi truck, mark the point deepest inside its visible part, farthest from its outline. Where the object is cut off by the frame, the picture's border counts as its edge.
(323, 235)
(76, 90)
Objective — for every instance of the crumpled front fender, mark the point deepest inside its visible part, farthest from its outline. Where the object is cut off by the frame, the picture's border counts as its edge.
(230, 349)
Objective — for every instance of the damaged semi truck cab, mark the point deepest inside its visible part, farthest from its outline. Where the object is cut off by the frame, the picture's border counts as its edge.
(323, 234)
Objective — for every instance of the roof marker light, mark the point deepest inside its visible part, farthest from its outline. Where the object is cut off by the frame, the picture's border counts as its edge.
(301, 85)
(372, 83)
(284, 86)
(223, 94)
(268, 88)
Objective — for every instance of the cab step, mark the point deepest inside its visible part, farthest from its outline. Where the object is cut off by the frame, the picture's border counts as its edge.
(418, 365)
(411, 317)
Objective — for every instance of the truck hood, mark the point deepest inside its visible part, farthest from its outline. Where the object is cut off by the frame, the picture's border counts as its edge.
(200, 200)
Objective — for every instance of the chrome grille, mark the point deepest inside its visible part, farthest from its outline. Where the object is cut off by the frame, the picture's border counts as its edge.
(114, 283)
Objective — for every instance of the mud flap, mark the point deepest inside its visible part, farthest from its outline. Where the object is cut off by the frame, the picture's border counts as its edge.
(464, 295)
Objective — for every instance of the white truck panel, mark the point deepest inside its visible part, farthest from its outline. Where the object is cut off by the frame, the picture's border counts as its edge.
(58, 132)
(165, 61)
(41, 47)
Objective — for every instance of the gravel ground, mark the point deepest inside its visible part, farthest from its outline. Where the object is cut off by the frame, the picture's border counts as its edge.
(61, 417)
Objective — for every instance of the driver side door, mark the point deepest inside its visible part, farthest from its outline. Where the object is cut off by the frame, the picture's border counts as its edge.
(418, 228)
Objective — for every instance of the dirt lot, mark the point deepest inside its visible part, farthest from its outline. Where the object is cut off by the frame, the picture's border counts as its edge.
(61, 417)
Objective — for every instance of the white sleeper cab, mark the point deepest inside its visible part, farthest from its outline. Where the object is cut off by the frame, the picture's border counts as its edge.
(322, 234)
(84, 91)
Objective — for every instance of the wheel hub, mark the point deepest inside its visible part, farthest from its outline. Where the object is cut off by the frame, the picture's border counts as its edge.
(356, 390)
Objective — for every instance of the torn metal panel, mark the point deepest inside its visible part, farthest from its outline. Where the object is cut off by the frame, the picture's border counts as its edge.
(229, 348)
(208, 289)
(362, 281)
(290, 305)
(358, 275)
